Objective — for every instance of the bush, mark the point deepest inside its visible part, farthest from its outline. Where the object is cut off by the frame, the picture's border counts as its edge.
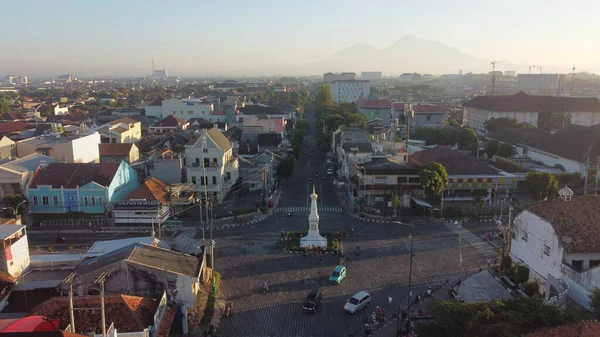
(520, 274)
(531, 288)
(209, 310)
(509, 166)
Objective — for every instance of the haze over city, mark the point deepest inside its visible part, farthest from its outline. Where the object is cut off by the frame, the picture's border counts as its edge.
(191, 38)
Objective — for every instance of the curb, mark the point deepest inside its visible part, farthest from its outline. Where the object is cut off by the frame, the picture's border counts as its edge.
(300, 252)
(463, 221)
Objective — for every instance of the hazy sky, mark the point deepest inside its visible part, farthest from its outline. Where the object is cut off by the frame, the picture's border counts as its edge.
(121, 37)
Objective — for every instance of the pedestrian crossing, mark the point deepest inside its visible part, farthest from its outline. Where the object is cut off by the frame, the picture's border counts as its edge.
(321, 209)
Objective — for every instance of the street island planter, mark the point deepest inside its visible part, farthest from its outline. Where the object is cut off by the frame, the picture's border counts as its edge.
(293, 241)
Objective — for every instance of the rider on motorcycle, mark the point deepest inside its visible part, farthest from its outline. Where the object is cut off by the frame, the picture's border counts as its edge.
(265, 286)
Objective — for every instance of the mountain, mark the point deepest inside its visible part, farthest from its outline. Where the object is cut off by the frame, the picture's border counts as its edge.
(409, 54)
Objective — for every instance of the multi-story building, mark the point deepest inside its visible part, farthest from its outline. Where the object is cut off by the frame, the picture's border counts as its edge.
(8, 149)
(510, 73)
(186, 108)
(167, 167)
(264, 124)
(349, 91)
(429, 114)
(524, 108)
(170, 124)
(330, 77)
(149, 204)
(253, 110)
(72, 189)
(123, 130)
(210, 164)
(376, 109)
(410, 77)
(75, 149)
(538, 82)
(115, 153)
(15, 175)
(14, 257)
(371, 75)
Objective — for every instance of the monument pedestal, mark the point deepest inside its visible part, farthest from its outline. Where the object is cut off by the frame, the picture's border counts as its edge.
(313, 238)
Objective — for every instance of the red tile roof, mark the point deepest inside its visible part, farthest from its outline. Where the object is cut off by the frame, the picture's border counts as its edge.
(579, 329)
(522, 102)
(153, 189)
(374, 103)
(11, 127)
(69, 175)
(128, 313)
(424, 108)
(125, 120)
(170, 121)
(577, 220)
(115, 149)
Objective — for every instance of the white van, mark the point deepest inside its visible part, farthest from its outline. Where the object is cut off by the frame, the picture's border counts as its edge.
(357, 302)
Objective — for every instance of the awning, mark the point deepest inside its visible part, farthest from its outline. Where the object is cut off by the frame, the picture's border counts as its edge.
(421, 202)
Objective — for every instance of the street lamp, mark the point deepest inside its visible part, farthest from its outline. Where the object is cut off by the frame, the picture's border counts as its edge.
(460, 257)
(412, 229)
(16, 208)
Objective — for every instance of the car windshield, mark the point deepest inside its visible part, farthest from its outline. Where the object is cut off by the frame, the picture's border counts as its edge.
(335, 274)
(353, 301)
(309, 303)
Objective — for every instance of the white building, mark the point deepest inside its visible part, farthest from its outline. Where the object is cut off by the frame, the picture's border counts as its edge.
(186, 108)
(148, 205)
(538, 81)
(349, 91)
(330, 77)
(524, 108)
(77, 149)
(510, 73)
(560, 243)
(210, 164)
(371, 75)
(14, 257)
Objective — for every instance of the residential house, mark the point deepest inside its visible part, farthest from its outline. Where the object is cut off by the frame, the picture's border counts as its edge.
(268, 162)
(262, 123)
(145, 271)
(166, 166)
(129, 315)
(234, 135)
(530, 109)
(210, 163)
(270, 141)
(69, 190)
(123, 130)
(468, 177)
(15, 175)
(8, 149)
(14, 130)
(170, 124)
(560, 243)
(376, 108)
(429, 114)
(115, 153)
(14, 258)
(185, 108)
(81, 148)
(253, 110)
(288, 109)
(517, 137)
(149, 204)
(251, 175)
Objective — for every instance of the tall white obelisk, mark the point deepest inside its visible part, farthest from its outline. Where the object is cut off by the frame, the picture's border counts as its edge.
(313, 238)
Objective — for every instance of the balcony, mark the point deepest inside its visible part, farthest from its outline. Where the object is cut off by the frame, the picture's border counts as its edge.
(589, 279)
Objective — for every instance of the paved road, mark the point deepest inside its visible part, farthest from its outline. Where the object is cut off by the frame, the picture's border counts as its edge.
(246, 256)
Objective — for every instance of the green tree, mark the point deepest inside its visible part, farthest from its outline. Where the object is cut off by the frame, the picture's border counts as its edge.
(434, 179)
(324, 142)
(541, 185)
(467, 138)
(285, 169)
(506, 150)
(595, 301)
(4, 107)
(492, 148)
(496, 124)
(302, 124)
(324, 99)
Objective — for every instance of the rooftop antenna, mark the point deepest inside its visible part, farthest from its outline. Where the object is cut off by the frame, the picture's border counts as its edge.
(494, 75)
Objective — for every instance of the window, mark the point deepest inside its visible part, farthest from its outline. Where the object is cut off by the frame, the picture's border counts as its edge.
(214, 163)
(85, 200)
(35, 201)
(197, 160)
(45, 201)
(174, 112)
(429, 118)
(206, 162)
(547, 250)
(228, 175)
(202, 181)
(194, 180)
(205, 150)
(524, 236)
(93, 200)
(214, 180)
(100, 199)
(55, 200)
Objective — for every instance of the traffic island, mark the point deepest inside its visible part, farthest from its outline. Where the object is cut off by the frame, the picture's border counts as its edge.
(292, 242)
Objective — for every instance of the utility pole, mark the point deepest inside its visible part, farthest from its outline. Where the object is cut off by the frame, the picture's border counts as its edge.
(508, 232)
(572, 81)
(100, 280)
(205, 181)
(159, 224)
(69, 280)
(587, 173)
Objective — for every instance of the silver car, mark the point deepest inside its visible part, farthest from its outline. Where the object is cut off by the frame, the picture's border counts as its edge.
(357, 302)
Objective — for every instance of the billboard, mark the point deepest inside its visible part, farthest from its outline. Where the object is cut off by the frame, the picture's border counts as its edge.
(64, 99)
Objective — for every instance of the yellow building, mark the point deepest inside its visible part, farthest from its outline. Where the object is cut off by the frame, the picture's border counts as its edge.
(124, 130)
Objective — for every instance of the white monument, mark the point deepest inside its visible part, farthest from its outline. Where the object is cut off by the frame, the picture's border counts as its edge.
(313, 238)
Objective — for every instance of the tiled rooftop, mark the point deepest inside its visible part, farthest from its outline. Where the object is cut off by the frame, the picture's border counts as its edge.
(153, 189)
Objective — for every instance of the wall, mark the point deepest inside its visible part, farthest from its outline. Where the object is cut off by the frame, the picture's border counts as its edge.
(476, 118)
(531, 252)
(187, 109)
(435, 119)
(8, 148)
(123, 184)
(385, 114)
(585, 118)
(349, 91)
(140, 216)
(92, 198)
(549, 159)
(133, 134)
(167, 170)
(85, 149)
(154, 111)
(52, 207)
(15, 258)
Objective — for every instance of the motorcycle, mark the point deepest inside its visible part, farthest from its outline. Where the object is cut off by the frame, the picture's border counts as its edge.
(357, 251)
(228, 309)
(265, 288)
(290, 214)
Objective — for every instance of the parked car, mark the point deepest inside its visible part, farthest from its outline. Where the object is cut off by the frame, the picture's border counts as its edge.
(329, 172)
(357, 302)
(312, 301)
(338, 275)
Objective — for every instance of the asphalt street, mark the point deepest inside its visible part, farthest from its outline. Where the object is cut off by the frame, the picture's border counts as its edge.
(246, 256)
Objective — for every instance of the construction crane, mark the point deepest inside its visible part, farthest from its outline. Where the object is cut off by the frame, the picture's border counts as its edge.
(494, 75)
